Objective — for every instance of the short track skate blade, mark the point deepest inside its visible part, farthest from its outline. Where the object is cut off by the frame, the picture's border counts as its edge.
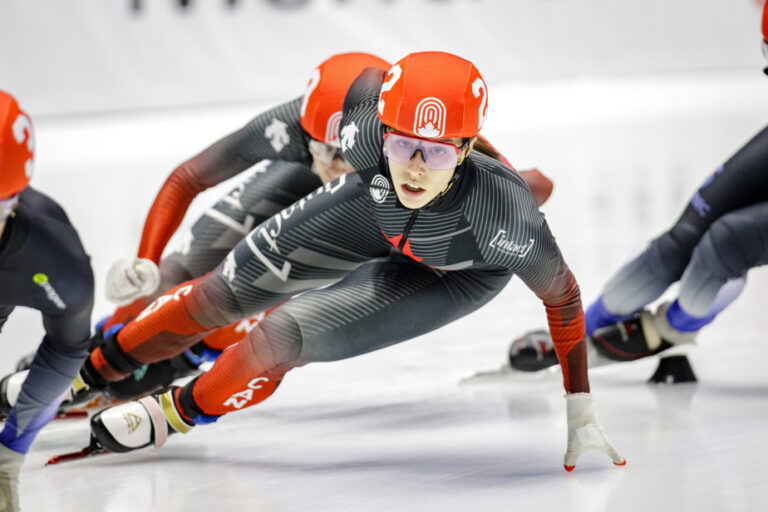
(89, 451)
(507, 374)
(71, 414)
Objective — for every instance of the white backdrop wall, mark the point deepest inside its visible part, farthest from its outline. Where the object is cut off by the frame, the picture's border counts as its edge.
(104, 55)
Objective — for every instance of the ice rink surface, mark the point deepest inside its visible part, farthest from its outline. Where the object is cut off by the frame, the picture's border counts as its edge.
(397, 429)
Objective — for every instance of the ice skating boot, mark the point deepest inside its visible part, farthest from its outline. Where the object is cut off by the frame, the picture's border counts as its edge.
(625, 341)
(533, 351)
(632, 339)
(140, 423)
(83, 390)
(10, 387)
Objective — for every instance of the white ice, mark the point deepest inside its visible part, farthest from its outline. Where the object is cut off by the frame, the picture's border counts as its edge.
(395, 430)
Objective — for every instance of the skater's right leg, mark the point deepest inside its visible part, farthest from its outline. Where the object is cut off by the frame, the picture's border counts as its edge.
(246, 374)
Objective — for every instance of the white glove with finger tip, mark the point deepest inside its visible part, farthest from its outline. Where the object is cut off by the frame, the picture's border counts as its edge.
(584, 433)
(131, 278)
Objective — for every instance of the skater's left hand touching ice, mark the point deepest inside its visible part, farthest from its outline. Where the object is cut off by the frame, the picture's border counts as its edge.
(584, 433)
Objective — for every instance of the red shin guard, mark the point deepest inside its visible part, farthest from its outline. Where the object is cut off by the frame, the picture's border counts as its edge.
(238, 379)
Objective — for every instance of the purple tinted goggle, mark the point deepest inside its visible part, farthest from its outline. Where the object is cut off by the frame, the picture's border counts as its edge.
(437, 155)
(7, 206)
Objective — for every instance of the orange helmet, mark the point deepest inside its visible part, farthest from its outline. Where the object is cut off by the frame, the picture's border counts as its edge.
(765, 22)
(764, 42)
(434, 94)
(17, 147)
(327, 86)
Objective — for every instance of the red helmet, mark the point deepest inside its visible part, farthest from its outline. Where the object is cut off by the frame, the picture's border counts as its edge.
(327, 86)
(434, 94)
(17, 147)
(765, 22)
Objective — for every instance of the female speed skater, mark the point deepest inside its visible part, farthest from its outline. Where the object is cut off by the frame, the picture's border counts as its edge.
(295, 147)
(426, 225)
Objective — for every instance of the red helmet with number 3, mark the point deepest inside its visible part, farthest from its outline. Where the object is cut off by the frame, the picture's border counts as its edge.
(435, 95)
(17, 148)
(324, 96)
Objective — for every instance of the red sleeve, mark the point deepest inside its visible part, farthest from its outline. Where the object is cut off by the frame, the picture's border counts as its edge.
(168, 211)
(566, 325)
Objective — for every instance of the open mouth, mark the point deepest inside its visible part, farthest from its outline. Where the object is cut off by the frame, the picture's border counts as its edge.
(411, 189)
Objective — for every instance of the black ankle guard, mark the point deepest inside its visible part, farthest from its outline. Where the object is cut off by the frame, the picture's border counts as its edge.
(116, 358)
(91, 376)
(187, 403)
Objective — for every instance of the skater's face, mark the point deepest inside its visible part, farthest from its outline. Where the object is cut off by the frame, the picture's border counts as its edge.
(421, 169)
(328, 161)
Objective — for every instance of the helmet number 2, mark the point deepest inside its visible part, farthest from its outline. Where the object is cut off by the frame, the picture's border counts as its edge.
(22, 131)
(396, 71)
(477, 86)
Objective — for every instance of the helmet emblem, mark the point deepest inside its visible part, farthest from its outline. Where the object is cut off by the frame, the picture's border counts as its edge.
(332, 129)
(429, 120)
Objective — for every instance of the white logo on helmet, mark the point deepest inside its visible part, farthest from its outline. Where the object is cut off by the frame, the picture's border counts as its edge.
(379, 188)
(429, 120)
(332, 129)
